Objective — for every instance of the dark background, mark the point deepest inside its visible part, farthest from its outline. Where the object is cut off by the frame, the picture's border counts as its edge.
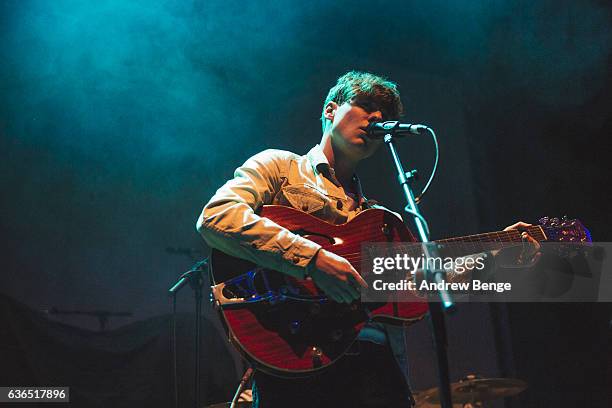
(118, 120)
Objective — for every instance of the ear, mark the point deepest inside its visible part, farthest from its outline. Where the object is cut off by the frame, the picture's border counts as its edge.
(330, 110)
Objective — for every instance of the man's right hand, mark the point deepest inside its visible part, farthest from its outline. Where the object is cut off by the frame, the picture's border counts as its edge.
(335, 276)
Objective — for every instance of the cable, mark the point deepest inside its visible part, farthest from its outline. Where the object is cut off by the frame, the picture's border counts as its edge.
(435, 167)
(419, 216)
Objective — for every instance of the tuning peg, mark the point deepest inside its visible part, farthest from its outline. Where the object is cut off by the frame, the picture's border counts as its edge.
(564, 218)
(554, 221)
(544, 220)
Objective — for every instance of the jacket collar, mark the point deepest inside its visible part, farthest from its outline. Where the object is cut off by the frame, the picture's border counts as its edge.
(319, 163)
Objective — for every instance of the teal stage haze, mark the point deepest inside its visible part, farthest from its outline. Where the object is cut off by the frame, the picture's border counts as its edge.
(119, 119)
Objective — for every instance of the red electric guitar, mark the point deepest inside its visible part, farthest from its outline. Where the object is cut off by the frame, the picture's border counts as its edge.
(287, 326)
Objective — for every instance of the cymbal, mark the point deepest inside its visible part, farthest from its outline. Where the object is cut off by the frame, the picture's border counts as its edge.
(472, 389)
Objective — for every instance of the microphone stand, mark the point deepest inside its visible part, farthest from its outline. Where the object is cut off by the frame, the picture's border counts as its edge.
(195, 279)
(430, 249)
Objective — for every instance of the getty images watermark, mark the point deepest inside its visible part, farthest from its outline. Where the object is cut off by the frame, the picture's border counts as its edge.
(501, 273)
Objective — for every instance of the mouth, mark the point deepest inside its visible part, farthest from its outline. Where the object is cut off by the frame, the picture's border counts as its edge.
(364, 136)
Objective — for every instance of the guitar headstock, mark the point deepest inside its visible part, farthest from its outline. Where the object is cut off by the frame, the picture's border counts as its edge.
(565, 230)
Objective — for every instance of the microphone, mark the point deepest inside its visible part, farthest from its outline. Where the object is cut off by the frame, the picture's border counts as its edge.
(377, 130)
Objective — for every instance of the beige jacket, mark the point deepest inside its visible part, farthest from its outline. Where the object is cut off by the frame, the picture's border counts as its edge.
(229, 221)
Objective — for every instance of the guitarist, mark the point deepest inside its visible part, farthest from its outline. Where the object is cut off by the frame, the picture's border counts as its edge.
(322, 183)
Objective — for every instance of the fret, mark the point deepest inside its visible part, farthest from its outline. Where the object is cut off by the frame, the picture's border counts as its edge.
(487, 241)
(498, 236)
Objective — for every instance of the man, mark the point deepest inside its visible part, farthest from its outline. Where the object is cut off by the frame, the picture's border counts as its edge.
(323, 183)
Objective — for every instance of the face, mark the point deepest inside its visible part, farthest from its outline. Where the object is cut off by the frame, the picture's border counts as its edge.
(349, 123)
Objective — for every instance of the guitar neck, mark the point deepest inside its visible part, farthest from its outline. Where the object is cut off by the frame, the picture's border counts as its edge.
(488, 241)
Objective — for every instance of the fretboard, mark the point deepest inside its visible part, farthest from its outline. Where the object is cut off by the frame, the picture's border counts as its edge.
(487, 241)
(473, 244)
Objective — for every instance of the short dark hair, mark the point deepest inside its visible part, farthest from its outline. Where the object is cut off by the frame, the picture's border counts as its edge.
(356, 83)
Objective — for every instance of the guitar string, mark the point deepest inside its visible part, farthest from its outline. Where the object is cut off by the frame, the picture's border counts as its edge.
(471, 242)
(463, 245)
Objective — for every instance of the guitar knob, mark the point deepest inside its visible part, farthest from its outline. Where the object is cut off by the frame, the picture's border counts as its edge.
(316, 354)
(385, 229)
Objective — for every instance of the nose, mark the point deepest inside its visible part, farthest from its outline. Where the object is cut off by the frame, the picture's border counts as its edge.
(375, 116)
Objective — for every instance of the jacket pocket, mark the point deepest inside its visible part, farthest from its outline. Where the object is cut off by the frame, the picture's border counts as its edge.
(304, 197)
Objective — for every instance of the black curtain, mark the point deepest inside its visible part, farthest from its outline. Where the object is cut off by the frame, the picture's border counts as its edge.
(127, 367)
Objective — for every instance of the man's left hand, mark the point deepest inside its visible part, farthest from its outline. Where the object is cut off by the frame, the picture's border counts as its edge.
(531, 247)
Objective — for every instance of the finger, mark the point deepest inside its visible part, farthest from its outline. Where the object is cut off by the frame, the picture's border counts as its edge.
(329, 290)
(336, 290)
(345, 296)
(334, 295)
(536, 257)
(517, 225)
(349, 293)
(535, 245)
(355, 275)
(354, 292)
(534, 241)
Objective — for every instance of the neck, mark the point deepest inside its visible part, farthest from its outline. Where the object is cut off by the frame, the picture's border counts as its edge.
(344, 167)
